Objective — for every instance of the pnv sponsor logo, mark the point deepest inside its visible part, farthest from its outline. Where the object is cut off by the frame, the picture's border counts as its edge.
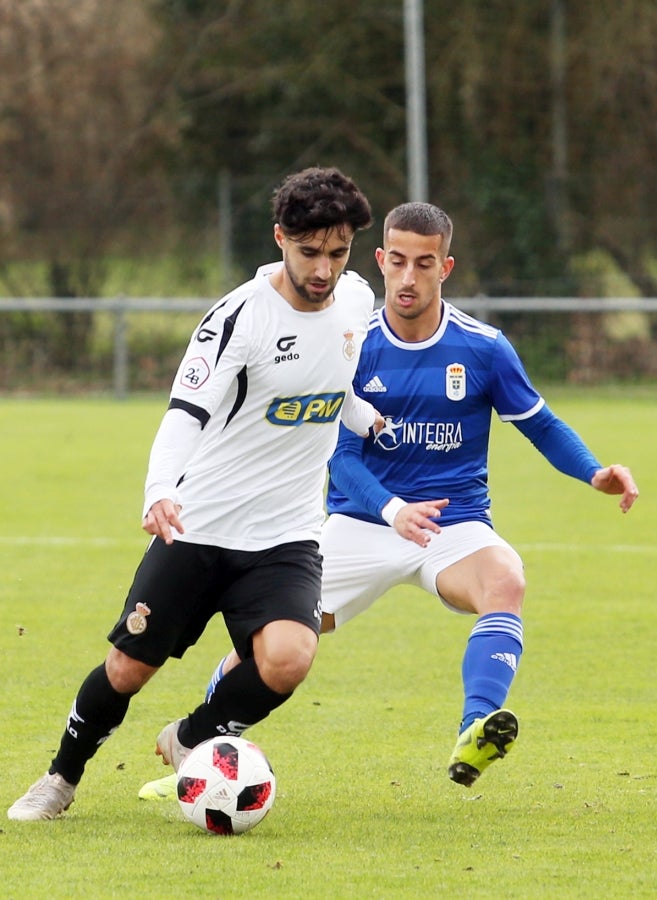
(315, 408)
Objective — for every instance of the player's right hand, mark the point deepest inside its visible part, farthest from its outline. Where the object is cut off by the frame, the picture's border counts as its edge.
(161, 517)
(414, 521)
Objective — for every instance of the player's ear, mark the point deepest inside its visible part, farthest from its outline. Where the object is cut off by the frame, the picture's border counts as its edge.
(279, 235)
(380, 255)
(446, 268)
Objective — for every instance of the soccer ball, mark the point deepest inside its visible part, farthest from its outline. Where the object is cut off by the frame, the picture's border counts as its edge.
(226, 785)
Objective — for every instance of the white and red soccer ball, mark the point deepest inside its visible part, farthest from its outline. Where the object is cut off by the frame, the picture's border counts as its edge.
(226, 785)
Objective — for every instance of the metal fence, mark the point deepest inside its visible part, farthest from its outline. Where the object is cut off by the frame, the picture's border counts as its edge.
(566, 338)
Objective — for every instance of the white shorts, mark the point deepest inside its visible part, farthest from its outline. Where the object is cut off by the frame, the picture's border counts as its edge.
(363, 560)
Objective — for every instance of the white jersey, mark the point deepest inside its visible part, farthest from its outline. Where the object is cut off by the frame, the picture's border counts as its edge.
(268, 383)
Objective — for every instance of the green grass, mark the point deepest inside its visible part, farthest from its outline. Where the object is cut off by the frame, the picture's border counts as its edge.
(364, 807)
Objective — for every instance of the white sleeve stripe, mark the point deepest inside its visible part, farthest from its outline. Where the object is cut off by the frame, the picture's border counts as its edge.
(526, 415)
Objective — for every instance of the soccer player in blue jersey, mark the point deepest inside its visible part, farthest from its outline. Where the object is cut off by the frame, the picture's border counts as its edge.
(436, 374)
(410, 505)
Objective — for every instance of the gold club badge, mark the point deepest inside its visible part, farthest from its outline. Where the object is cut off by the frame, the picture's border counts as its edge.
(136, 622)
(349, 346)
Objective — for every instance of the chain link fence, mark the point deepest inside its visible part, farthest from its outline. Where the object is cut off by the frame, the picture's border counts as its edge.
(125, 345)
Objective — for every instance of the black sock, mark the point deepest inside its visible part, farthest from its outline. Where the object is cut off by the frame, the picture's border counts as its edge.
(97, 712)
(240, 700)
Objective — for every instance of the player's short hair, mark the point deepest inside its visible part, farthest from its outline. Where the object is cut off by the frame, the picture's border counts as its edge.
(318, 198)
(421, 218)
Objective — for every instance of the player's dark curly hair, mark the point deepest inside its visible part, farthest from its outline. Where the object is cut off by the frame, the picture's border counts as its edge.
(318, 198)
(420, 218)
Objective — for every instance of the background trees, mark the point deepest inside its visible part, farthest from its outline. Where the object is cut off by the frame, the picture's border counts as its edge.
(119, 121)
(81, 145)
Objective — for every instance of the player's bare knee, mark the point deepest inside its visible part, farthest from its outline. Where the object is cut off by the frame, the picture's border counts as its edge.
(126, 675)
(284, 652)
(285, 671)
(506, 593)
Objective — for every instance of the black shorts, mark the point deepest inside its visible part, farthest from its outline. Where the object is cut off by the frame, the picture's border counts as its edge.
(179, 587)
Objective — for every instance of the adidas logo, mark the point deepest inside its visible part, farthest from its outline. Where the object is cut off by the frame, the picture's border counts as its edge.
(375, 386)
(508, 658)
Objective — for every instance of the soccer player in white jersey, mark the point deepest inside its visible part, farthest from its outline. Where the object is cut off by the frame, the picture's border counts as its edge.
(234, 491)
(411, 505)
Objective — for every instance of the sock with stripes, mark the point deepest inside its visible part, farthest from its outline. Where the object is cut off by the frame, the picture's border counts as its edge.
(489, 665)
(217, 675)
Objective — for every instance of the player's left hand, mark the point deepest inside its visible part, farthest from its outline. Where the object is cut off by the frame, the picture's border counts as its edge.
(415, 521)
(617, 479)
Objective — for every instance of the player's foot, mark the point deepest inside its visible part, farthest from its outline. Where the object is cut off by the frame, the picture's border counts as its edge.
(481, 744)
(162, 789)
(169, 747)
(48, 798)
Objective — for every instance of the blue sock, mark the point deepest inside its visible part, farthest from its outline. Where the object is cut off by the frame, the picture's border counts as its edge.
(217, 675)
(490, 661)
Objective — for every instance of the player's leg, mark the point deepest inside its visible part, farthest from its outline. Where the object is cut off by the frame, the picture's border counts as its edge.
(355, 572)
(97, 711)
(273, 615)
(147, 632)
(353, 576)
(362, 560)
(223, 667)
(489, 583)
(166, 788)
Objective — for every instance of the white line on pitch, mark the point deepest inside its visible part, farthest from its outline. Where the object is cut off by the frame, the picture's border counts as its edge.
(55, 541)
(586, 548)
(61, 541)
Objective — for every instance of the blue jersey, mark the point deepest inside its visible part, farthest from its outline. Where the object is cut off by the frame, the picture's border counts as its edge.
(437, 398)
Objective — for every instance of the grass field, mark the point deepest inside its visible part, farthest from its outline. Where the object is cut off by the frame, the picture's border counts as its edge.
(364, 807)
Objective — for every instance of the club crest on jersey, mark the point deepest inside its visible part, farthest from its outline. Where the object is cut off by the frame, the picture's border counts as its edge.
(315, 408)
(195, 373)
(349, 346)
(136, 622)
(455, 381)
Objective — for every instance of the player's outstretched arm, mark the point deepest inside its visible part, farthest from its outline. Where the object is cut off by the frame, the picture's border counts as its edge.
(617, 479)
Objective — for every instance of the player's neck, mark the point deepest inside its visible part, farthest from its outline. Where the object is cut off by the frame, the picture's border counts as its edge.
(413, 330)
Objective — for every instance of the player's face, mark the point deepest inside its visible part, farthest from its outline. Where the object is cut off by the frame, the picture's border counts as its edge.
(414, 267)
(312, 266)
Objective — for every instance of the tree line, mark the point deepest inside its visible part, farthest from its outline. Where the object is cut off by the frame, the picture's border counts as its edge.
(120, 121)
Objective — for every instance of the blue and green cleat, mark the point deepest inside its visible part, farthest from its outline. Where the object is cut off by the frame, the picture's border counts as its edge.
(481, 744)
